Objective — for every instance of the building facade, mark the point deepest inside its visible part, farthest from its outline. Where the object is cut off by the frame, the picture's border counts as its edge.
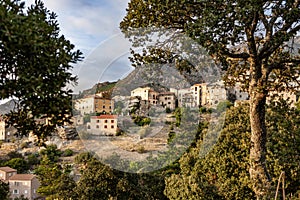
(23, 184)
(103, 125)
(167, 100)
(92, 104)
(103, 105)
(2, 129)
(6, 173)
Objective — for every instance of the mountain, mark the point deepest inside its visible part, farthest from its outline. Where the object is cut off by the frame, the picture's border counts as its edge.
(7, 107)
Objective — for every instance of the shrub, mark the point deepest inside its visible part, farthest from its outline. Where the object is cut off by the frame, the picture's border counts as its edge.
(68, 152)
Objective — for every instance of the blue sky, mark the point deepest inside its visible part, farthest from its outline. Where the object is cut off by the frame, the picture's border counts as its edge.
(93, 26)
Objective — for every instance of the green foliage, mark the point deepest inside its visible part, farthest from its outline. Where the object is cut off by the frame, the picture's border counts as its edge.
(35, 67)
(168, 110)
(83, 157)
(33, 160)
(178, 115)
(222, 106)
(19, 164)
(21, 198)
(252, 40)
(99, 181)
(68, 152)
(55, 180)
(140, 120)
(171, 135)
(223, 172)
(51, 152)
(284, 145)
(4, 190)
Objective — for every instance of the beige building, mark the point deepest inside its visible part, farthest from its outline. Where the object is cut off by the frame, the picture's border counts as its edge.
(92, 104)
(85, 105)
(103, 105)
(2, 129)
(146, 94)
(200, 95)
(142, 92)
(103, 125)
(216, 93)
(6, 173)
(167, 100)
(23, 184)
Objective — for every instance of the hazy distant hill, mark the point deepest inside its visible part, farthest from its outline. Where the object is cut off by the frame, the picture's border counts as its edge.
(7, 107)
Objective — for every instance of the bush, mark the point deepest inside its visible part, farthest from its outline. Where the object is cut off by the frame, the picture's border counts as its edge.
(68, 152)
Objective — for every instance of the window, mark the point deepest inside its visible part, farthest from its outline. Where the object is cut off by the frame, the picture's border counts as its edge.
(98, 121)
(88, 127)
(103, 106)
(105, 121)
(105, 126)
(112, 121)
(97, 126)
(112, 126)
(16, 183)
(195, 88)
(15, 191)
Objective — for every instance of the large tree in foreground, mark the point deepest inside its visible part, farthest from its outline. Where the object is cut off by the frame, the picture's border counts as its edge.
(35, 64)
(252, 39)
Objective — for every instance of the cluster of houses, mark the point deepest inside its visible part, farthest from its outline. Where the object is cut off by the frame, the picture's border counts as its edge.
(202, 94)
(25, 185)
(198, 95)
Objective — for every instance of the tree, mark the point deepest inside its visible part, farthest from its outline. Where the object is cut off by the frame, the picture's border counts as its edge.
(35, 67)
(19, 164)
(222, 174)
(99, 181)
(254, 42)
(4, 190)
(55, 180)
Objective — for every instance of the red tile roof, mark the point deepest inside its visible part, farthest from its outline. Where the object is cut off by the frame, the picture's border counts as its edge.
(105, 117)
(7, 169)
(22, 177)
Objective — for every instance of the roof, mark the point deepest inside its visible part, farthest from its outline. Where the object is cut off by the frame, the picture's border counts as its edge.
(167, 93)
(105, 117)
(7, 169)
(22, 177)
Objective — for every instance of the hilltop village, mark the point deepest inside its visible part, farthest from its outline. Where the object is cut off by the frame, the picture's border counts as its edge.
(100, 112)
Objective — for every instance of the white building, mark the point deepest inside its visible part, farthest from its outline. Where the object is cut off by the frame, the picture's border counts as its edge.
(85, 105)
(185, 97)
(216, 93)
(103, 125)
(146, 94)
(2, 129)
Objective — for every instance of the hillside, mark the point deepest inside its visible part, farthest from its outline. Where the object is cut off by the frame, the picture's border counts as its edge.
(106, 88)
(7, 107)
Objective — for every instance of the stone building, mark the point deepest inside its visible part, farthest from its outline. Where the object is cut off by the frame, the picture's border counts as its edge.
(103, 125)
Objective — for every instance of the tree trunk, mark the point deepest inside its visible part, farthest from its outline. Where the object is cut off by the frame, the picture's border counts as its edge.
(259, 176)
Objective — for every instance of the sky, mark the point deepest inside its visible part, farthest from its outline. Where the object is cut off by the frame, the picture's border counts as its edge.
(93, 26)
